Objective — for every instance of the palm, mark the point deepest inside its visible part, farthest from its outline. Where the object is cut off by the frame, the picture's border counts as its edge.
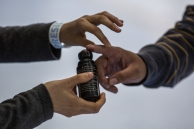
(113, 61)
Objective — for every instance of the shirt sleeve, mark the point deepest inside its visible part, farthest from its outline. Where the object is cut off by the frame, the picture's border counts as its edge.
(26, 110)
(27, 44)
(171, 58)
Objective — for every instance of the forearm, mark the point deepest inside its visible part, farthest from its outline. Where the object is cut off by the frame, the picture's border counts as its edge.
(26, 44)
(26, 110)
(171, 58)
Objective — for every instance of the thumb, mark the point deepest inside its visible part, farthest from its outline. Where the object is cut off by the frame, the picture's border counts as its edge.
(120, 77)
(80, 78)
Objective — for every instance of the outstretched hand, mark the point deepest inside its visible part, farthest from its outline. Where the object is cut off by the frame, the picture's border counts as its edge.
(73, 33)
(119, 65)
(66, 102)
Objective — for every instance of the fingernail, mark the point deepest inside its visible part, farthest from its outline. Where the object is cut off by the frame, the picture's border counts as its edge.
(121, 22)
(90, 74)
(118, 29)
(114, 90)
(105, 85)
(113, 81)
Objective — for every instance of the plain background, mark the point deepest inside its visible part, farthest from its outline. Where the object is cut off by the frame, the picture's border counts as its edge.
(132, 107)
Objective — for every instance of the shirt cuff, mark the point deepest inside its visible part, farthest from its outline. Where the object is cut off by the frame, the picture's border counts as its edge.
(54, 32)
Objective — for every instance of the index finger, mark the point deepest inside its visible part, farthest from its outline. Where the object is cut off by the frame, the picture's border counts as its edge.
(112, 18)
(87, 26)
(101, 49)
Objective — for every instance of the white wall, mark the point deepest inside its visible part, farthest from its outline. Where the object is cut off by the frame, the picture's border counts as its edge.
(133, 107)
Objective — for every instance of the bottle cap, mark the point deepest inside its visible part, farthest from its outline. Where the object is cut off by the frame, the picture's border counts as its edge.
(85, 54)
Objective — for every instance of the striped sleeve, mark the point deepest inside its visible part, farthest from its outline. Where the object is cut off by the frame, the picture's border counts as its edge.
(171, 58)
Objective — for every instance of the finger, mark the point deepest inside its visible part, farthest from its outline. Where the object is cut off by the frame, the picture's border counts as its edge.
(101, 64)
(102, 19)
(87, 26)
(105, 84)
(82, 111)
(101, 101)
(112, 18)
(84, 42)
(80, 78)
(112, 89)
(124, 76)
(91, 106)
(101, 49)
(74, 90)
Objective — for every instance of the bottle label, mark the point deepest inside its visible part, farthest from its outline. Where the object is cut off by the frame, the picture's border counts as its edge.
(92, 85)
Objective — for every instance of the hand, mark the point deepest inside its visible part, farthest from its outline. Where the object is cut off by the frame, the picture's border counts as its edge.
(66, 102)
(119, 65)
(73, 33)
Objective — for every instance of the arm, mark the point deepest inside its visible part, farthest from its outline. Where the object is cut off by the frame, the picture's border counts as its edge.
(26, 110)
(26, 44)
(162, 64)
(31, 43)
(31, 108)
(171, 58)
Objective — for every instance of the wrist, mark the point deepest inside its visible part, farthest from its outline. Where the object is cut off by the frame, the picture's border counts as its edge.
(55, 36)
(144, 69)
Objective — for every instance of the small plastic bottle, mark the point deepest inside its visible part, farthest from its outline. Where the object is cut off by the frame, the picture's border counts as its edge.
(90, 90)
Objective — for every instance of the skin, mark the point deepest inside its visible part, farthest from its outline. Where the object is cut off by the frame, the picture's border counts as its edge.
(66, 102)
(62, 92)
(117, 65)
(73, 33)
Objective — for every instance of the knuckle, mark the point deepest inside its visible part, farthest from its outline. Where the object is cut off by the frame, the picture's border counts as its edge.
(104, 12)
(102, 17)
(112, 25)
(96, 109)
(122, 77)
(68, 114)
(85, 16)
(80, 21)
(95, 29)
(118, 48)
(136, 69)
(79, 77)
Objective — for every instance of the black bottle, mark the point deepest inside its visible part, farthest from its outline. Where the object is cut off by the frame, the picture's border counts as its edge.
(90, 90)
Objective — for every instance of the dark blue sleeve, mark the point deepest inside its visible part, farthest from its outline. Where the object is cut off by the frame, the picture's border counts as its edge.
(171, 59)
(27, 44)
(26, 110)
